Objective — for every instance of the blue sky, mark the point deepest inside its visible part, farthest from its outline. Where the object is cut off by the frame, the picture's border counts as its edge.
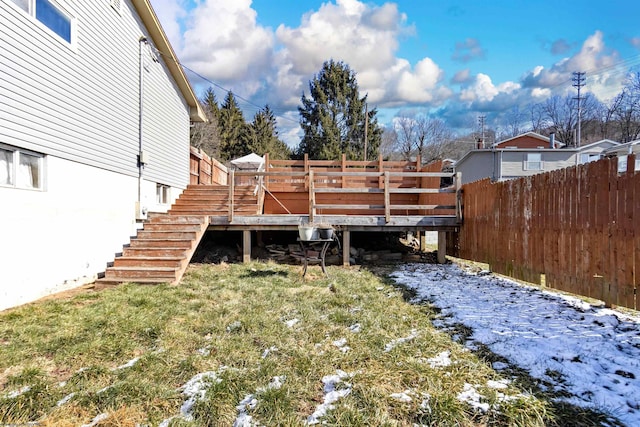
(451, 59)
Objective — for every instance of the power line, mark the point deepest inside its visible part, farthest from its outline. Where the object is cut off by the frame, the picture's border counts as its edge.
(258, 107)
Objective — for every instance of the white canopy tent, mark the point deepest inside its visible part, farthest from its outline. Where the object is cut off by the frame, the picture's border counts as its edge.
(249, 162)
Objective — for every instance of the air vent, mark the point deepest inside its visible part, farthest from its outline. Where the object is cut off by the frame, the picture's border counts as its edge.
(117, 5)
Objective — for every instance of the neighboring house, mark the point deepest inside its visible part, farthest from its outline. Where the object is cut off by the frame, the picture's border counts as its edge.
(94, 132)
(622, 151)
(525, 155)
(528, 140)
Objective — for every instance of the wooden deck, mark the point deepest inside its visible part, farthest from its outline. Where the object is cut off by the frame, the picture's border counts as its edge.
(351, 196)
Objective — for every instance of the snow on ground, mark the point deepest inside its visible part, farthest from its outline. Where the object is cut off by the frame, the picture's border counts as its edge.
(590, 354)
(335, 388)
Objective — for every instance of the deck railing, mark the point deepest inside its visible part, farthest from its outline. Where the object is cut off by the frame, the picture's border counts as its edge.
(360, 193)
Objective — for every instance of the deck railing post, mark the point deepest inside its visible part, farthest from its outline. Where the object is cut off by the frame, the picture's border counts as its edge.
(381, 170)
(387, 198)
(265, 181)
(344, 169)
(306, 169)
(312, 197)
(231, 179)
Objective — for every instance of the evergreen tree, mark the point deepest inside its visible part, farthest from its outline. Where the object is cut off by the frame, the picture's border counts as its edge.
(263, 136)
(333, 118)
(233, 130)
(206, 136)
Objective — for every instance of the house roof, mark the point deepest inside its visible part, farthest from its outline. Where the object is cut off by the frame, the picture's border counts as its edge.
(626, 148)
(529, 134)
(157, 34)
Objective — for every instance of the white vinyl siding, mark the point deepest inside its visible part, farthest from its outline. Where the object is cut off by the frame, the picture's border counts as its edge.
(82, 104)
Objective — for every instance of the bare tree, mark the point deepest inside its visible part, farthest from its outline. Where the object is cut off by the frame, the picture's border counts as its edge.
(537, 117)
(560, 113)
(627, 111)
(405, 128)
(389, 143)
(514, 120)
(431, 137)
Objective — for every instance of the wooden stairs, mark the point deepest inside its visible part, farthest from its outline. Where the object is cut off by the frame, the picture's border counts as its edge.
(162, 249)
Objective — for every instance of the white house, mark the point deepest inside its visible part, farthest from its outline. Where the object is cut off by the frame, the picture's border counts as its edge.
(525, 155)
(94, 132)
(622, 152)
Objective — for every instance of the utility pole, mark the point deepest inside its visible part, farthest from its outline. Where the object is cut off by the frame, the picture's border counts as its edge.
(578, 81)
(366, 127)
(481, 122)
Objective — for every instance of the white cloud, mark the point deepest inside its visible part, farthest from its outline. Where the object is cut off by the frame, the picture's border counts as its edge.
(483, 89)
(223, 42)
(592, 58)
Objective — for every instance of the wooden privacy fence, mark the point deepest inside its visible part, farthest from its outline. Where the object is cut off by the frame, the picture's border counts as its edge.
(205, 170)
(576, 229)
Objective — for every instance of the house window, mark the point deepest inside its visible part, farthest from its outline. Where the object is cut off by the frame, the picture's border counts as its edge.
(533, 162)
(21, 169)
(49, 14)
(588, 157)
(162, 194)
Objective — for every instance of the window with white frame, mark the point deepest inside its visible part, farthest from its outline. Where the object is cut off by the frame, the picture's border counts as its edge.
(533, 162)
(162, 194)
(589, 157)
(50, 14)
(21, 169)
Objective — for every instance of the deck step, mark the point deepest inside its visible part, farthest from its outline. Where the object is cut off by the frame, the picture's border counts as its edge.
(161, 243)
(154, 252)
(148, 261)
(139, 272)
(166, 234)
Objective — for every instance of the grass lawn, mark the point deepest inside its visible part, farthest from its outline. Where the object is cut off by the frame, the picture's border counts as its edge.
(254, 344)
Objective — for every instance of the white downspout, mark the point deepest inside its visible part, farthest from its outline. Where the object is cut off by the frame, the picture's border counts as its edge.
(142, 43)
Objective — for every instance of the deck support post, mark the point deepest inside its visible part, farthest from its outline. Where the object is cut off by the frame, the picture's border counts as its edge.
(246, 246)
(442, 247)
(346, 248)
(422, 236)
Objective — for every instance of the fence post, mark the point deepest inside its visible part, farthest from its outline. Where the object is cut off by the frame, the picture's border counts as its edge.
(343, 170)
(458, 179)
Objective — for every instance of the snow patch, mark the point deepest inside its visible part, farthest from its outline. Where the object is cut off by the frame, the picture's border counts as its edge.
(592, 352)
(390, 346)
(441, 360)
(96, 420)
(331, 395)
(471, 396)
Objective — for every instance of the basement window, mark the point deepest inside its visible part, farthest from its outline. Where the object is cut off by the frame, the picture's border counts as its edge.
(163, 192)
(21, 169)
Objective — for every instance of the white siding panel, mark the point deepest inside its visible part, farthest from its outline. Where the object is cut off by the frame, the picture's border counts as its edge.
(81, 102)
